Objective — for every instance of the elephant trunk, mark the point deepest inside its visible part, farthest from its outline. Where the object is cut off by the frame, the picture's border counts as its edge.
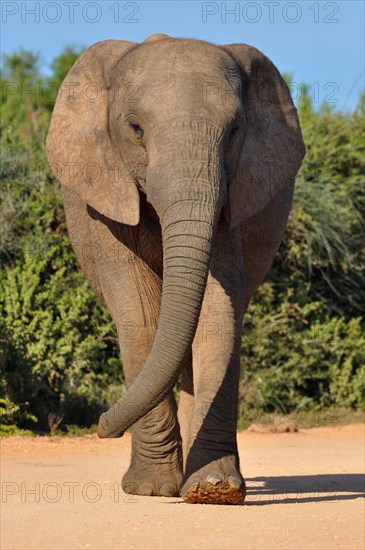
(188, 227)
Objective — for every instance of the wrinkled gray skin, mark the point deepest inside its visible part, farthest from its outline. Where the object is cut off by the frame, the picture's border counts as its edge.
(177, 160)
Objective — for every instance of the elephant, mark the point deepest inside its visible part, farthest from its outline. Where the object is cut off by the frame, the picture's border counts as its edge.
(176, 159)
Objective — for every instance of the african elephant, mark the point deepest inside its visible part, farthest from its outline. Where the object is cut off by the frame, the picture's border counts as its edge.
(177, 160)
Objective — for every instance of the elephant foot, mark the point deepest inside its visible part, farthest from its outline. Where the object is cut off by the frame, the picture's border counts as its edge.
(153, 478)
(219, 482)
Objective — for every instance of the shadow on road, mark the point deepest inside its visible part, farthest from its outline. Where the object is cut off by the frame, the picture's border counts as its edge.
(302, 489)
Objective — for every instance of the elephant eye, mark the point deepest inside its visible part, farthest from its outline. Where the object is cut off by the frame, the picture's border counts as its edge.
(137, 129)
(233, 133)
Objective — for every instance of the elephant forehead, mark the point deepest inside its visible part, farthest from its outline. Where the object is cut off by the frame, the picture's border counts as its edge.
(184, 75)
(205, 95)
(158, 57)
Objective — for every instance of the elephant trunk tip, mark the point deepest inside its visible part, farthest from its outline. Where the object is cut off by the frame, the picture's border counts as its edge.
(104, 430)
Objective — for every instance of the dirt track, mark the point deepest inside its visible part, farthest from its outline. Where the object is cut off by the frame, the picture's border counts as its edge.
(305, 490)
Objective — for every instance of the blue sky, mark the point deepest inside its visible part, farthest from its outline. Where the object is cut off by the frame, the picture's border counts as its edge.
(318, 42)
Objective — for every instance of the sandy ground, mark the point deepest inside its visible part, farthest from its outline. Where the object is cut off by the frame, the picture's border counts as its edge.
(305, 490)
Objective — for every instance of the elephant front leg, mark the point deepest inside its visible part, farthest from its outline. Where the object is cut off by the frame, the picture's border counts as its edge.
(156, 459)
(211, 473)
(132, 292)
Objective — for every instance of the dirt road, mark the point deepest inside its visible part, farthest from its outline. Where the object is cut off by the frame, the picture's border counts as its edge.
(305, 490)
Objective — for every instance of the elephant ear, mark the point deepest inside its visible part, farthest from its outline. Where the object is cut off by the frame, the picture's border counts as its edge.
(273, 147)
(79, 146)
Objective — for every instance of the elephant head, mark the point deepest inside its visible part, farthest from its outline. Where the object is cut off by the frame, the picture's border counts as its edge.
(200, 130)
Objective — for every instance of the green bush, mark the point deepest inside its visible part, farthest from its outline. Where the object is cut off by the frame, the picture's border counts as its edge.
(299, 357)
(60, 350)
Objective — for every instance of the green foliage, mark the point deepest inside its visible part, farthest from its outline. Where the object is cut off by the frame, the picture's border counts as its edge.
(7, 430)
(58, 356)
(298, 357)
(303, 342)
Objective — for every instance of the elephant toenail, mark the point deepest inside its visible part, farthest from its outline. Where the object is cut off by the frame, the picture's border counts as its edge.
(213, 479)
(193, 484)
(145, 489)
(234, 482)
(167, 490)
(130, 488)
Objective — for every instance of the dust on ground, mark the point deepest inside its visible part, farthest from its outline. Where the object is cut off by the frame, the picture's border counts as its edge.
(305, 490)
